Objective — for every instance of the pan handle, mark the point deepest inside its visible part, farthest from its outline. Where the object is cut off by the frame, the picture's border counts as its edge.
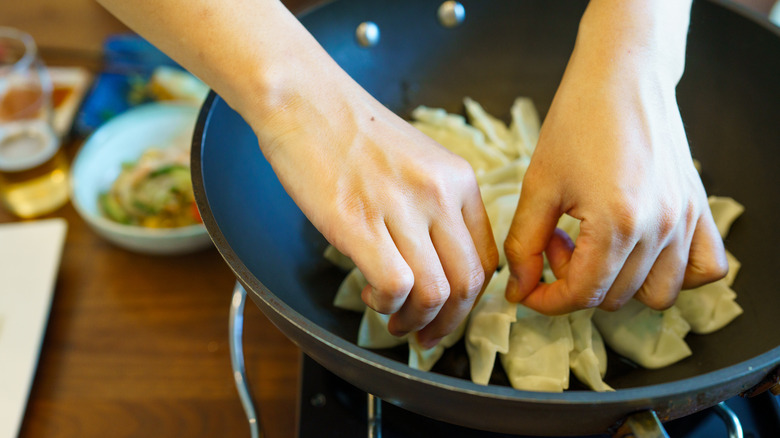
(236, 330)
(646, 424)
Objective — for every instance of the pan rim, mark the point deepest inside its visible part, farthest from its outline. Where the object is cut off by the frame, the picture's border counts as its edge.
(258, 291)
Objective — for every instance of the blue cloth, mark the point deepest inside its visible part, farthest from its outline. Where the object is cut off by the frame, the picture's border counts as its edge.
(128, 62)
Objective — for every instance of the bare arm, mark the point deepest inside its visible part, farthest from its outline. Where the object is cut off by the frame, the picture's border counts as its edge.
(406, 210)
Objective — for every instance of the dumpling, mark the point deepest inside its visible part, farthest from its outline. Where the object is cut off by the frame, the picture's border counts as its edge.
(425, 359)
(711, 307)
(500, 213)
(525, 125)
(512, 172)
(452, 132)
(734, 266)
(651, 338)
(725, 211)
(335, 256)
(588, 358)
(373, 331)
(491, 192)
(538, 356)
(496, 132)
(708, 308)
(487, 332)
(348, 295)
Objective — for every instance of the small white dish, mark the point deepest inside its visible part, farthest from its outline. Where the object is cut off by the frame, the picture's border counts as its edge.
(98, 163)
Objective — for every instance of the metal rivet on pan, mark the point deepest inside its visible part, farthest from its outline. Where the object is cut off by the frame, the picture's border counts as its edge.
(451, 13)
(318, 400)
(367, 34)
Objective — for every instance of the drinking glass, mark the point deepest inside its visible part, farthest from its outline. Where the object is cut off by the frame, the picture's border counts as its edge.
(33, 168)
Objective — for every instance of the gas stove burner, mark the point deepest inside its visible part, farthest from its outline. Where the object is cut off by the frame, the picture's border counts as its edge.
(330, 407)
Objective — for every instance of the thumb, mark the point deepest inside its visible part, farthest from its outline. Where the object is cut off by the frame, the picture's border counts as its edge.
(532, 228)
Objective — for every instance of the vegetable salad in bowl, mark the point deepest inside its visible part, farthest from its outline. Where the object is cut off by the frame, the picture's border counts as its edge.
(154, 192)
(131, 181)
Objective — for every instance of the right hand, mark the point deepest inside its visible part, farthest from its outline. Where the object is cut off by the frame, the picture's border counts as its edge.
(406, 210)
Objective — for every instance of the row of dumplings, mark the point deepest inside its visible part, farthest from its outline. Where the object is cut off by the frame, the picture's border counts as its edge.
(539, 352)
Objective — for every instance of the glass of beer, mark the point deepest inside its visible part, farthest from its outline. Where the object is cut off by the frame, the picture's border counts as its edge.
(33, 168)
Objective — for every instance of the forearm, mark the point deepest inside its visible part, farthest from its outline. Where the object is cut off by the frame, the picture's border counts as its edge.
(635, 34)
(254, 53)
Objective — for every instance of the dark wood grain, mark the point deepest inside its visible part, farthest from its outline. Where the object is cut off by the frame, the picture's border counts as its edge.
(137, 346)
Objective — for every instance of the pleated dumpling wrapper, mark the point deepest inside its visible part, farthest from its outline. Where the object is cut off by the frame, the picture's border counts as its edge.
(538, 356)
(711, 307)
(487, 332)
(651, 338)
(452, 132)
(496, 132)
(725, 211)
(335, 256)
(373, 331)
(501, 211)
(708, 308)
(424, 359)
(588, 358)
(348, 295)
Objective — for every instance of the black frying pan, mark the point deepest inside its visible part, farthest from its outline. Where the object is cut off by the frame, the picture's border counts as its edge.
(729, 99)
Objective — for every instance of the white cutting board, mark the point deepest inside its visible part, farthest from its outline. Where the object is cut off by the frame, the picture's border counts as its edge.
(29, 260)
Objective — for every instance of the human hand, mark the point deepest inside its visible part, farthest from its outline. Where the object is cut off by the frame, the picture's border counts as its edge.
(613, 153)
(407, 211)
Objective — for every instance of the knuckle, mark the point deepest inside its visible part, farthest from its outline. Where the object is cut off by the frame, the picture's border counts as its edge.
(433, 295)
(668, 217)
(469, 285)
(490, 259)
(705, 268)
(610, 305)
(656, 300)
(533, 178)
(388, 293)
(589, 298)
(712, 268)
(661, 302)
(513, 247)
(382, 302)
(463, 171)
(398, 283)
(625, 220)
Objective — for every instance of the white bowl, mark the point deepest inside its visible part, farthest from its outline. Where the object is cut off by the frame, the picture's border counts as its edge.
(98, 163)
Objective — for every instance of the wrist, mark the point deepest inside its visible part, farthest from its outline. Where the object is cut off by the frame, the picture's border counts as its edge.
(643, 36)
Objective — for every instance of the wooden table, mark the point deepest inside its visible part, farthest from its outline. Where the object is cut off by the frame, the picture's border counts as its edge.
(137, 346)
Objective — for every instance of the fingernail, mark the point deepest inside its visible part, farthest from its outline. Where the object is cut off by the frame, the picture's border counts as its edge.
(428, 343)
(513, 289)
(391, 323)
(372, 299)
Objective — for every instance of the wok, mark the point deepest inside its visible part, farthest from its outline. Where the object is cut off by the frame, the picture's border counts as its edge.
(730, 102)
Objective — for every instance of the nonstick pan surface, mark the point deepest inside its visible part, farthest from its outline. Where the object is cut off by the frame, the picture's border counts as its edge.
(729, 99)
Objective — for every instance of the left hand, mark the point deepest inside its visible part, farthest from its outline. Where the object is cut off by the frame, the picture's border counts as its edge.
(613, 153)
